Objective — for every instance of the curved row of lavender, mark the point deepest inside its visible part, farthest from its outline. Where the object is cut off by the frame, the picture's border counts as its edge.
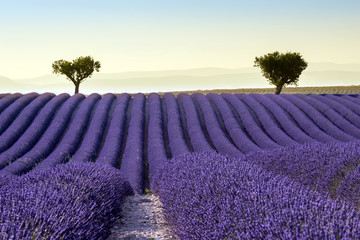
(229, 124)
(137, 134)
(71, 201)
(210, 196)
(132, 162)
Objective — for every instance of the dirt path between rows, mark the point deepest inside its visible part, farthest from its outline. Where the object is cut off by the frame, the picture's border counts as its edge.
(142, 219)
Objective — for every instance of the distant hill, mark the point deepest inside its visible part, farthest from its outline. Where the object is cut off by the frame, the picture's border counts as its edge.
(8, 85)
(317, 74)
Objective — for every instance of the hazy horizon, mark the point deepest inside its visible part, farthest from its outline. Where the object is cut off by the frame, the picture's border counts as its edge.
(317, 74)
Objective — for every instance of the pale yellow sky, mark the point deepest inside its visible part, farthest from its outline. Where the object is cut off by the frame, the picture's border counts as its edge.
(159, 35)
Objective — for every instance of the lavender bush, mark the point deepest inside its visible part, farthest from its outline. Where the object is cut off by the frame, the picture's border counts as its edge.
(71, 201)
(50, 140)
(319, 119)
(348, 103)
(23, 120)
(283, 119)
(44, 124)
(110, 152)
(132, 165)
(209, 196)
(255, 132)
(216, 133)
(8, 99)
(92, 139)
(70, 140)
(267, 123)
(332, 115)
(323, 167)
(156, 145)
(300, 118)
(177, 140)
(346, 112)
(197, 136)
(237, 134)
(10, 113)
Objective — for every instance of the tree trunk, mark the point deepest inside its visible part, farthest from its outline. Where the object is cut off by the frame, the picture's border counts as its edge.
(278, 89)
(77, 88)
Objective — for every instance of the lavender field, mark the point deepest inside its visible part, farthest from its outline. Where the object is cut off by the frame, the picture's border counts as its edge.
(225, 166)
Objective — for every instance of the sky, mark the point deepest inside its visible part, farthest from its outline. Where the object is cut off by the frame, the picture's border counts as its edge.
(147, 35)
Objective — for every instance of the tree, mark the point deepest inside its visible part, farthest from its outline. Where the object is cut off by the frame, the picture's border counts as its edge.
(77, 70)
(281, 69)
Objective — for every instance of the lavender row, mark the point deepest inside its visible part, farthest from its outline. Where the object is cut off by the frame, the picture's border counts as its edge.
(345, 112)
(10, 113)
(269, 125)
(196, 133)
(306, 124)
(255, 132)
(71, 201)
(283, 119)
(42, 125)
(354, 107)
(319, 119)
(333, 116)
(217, 135)
(110, 152)
(355, 99)
(156, 153)
(177, 140)
(236, 133)
(70, 141)
(22, 121)
(49, 141)
(323, 167)
(8, 100)
(132, 166)
(92, 139)
(209, 196)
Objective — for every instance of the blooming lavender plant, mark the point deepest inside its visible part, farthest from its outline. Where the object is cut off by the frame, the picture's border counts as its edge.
(340, 108)
(256, 133)
(71, 201)
(333, 116)
(283, 119)
(351, 105)
(10, 113)
(209, 196)
(237, 134)
(23, 120)
(196, 133)
(110, 152)
(319, 119)
(323, 167)
(44, 124)
(177, 140)
(8, 99)
(70, 140)
(217, 135)
(270, 126)
(156, 153)
(92, 139)
(51, 137)
(132, 165)
(306, 124)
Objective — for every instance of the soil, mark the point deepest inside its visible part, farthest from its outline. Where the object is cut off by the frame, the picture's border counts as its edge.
(142, 219)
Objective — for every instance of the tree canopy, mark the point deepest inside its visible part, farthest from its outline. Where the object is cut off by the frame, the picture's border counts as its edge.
(77, 70)
(281, 69)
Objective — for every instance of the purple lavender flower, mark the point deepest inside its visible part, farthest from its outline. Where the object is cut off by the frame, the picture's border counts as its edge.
(209, 196)
(132, 165)
(111, 150)
(71, 201)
